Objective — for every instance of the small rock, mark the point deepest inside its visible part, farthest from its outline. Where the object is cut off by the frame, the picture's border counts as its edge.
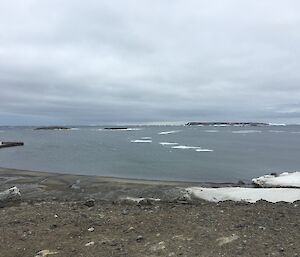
(241, 182)
(227, 239)
(129, 229)
(89, 203)
(91, 229)
(53, 226)
(125, 212)
(139, 238)
(158, 247)
(90, 243)
(45, 253)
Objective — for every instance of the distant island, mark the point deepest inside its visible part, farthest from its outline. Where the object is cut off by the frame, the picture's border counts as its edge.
(116, 128)
(251, 124)
(52, 128)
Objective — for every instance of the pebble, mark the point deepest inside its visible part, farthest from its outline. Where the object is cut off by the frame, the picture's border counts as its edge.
(89, 203)
(90, 243)
(45, 253)
(91, 229)
(139, 238)
(125, 212)
(158, 247)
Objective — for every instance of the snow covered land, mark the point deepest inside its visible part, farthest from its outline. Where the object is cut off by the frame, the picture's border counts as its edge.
(289, 191)
(243, 194)
(282, 180)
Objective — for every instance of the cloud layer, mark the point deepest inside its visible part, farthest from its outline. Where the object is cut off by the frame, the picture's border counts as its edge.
(143, 61)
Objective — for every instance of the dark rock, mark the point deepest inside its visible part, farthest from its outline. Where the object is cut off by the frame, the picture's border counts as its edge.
(52, 128)
(89, 203)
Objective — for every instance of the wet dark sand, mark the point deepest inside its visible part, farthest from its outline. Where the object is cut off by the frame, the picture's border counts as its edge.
(52, 215)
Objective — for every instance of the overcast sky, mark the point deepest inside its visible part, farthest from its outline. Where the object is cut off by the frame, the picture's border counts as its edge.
(93, 61)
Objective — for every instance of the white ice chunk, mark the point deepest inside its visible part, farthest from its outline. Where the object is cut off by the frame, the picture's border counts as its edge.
(204, 150)
(251, 195)
(185, 147)
(285, 179)
(141, 141)
(169, 132)
(245, 131)
(167, 143)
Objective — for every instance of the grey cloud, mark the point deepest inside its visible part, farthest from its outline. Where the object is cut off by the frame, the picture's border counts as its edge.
(143, 61)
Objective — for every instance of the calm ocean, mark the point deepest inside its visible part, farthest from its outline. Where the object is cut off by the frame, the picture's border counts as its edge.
(207, 154)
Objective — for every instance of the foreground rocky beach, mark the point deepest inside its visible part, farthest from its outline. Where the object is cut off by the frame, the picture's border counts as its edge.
(69, 215)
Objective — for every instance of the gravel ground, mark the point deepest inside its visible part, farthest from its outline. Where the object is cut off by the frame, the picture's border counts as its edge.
(55, 219)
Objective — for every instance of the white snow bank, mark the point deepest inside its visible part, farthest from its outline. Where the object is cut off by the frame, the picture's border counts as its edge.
(251, 195)
(169, 132)
(285, 179)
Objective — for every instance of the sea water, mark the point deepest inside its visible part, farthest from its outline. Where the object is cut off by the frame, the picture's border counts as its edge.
(175, 153)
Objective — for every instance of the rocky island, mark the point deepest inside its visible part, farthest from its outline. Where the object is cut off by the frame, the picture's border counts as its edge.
(52, 128)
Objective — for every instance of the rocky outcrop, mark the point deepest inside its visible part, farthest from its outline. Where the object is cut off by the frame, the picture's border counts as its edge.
(52, 128)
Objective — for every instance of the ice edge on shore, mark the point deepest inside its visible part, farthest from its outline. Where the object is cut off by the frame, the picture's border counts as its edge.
(284, 187)
(284, 179)
(242, 194)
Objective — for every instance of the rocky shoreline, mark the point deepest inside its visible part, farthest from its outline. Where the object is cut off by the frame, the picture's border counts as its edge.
(69, 215)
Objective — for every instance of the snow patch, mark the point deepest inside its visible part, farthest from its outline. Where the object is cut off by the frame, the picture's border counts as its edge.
(241, 194)
(137, 200)
(284, 179)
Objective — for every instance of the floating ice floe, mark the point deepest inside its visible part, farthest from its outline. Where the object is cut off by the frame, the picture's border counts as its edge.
(146, 138)
(277, 124)
(167, 143)
(212, 131)
(221, 125)
(168, 132)
(242, 194)
(185, 147)
(276, 131)
(196, 148)
(245, 131)
(141, 141)
(285, 179)
(204, 150)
